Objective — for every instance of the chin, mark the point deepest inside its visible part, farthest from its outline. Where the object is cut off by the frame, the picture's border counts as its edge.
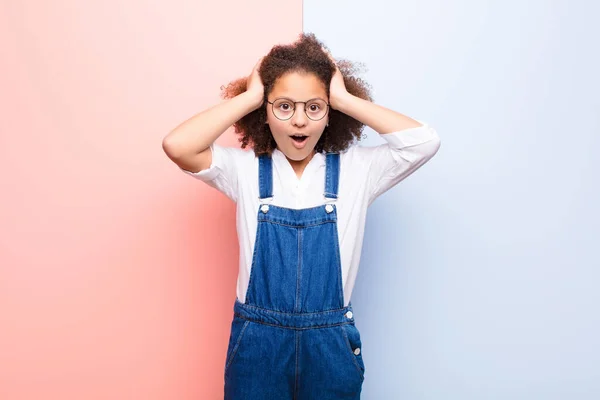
(298, 155)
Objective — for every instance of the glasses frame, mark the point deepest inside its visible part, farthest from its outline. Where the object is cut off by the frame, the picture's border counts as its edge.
(294, 112)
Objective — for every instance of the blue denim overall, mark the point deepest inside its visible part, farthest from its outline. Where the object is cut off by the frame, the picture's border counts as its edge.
(293, 338)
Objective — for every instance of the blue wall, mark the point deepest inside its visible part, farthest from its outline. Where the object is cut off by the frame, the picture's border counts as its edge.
(479, 274)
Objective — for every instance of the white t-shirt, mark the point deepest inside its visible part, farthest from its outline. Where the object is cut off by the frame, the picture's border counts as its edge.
(365, 174)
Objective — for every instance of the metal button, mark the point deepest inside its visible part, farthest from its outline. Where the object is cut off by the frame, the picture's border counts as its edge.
(264, 208)
(357, 351)
(349, 314)
(329, 208)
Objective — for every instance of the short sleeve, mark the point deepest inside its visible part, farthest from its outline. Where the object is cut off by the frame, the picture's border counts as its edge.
(405, 152)
(223, 171)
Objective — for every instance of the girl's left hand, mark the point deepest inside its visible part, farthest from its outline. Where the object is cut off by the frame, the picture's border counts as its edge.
(337, 88)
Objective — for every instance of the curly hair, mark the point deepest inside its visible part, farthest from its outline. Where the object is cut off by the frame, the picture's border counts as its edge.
(305, 55)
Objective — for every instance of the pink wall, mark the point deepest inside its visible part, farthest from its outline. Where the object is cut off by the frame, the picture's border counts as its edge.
(117, 270)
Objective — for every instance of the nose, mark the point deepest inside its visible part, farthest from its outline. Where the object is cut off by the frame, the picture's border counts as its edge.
(299, 118)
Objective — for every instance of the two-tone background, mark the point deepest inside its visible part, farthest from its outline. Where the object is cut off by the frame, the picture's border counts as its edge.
(479, 275)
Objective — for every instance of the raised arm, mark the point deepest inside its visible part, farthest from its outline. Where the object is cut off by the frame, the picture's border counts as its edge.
(188, 145)
(380, 119)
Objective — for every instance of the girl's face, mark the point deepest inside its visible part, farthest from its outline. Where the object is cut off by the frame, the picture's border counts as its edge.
(296, 86)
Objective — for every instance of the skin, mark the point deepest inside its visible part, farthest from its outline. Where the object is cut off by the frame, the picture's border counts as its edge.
(302, 87)
(297, 87)
(191, 151)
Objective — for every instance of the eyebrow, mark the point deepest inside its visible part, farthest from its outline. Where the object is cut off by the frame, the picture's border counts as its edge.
(287, 98)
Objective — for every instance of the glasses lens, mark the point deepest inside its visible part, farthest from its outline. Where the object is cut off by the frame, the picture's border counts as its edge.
(315, 109)
(283, 108)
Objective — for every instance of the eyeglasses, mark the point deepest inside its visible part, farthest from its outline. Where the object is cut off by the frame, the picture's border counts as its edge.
(284, 109)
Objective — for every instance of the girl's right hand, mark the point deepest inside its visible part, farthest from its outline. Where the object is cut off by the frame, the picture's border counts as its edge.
(255, 85)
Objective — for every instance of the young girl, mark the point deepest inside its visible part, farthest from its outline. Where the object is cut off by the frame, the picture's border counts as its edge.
(302, 196)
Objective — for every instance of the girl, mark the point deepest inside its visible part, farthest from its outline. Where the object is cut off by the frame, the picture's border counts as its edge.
(302, 196)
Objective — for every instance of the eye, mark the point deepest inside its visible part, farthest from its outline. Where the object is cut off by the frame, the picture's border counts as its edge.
(316, 107)
(283, 106)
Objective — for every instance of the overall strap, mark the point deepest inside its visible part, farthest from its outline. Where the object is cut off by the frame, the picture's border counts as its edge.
(332, 175)
(265, 176)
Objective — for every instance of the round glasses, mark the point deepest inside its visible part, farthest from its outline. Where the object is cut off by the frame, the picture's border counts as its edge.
(284, 109)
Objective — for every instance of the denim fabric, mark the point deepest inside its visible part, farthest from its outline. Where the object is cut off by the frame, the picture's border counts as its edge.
(293, 338)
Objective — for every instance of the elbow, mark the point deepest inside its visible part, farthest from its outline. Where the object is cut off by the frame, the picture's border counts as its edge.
(167, 146)
(170, 148)
(432, 146)
(427, 151)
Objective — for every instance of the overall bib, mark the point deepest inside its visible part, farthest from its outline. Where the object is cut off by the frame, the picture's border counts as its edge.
(293, 338)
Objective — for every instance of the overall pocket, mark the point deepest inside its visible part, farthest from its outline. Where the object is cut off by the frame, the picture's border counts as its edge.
(352, 337)
(238, 327)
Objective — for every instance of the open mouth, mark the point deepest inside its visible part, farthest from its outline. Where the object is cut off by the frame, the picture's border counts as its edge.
(299, 138)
